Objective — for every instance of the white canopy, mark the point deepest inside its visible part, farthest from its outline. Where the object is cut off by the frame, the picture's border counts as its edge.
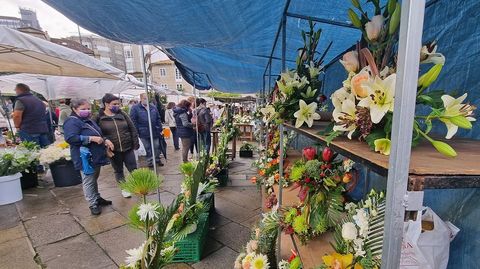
(57, 87)
(22, 53)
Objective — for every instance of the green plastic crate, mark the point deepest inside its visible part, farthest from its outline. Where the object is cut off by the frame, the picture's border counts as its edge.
(191, 248)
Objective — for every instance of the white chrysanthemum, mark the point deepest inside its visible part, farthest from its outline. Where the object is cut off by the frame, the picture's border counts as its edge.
(283, 264)
(260, 261)
(361, 219)
(247, 260)
(238, 261)
(148, 210)
(358, 247)
(349, 231)
(134, 255)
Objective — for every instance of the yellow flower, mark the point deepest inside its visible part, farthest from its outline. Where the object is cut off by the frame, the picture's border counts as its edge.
(383, 146)
(63, 145)
(381, 97)
(456, 114)
(338, 261)
(260, 261)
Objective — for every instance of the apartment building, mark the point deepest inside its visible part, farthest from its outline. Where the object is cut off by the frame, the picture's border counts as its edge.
(105, 50)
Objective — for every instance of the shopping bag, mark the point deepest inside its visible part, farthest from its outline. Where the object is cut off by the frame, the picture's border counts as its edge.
(167, 132)
(141, 149)
(427, 246)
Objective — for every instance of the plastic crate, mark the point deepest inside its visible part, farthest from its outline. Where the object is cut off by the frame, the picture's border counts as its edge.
(191, 248)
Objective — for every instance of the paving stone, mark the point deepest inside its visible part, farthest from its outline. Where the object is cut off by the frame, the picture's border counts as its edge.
(178, 266)
(110, 192)
(211, 245)
(232, 211)
(216, 221)
(116, 241)
(79, 207)
(122, 205)
(48, 229)
(12, 233)
(223, 258)
(247, 197)
(106, 221)
(232, 235)
(65, 193)
(17, 254)
(76, 252)
(252, 222)
(166, 198)
(40, 203)
(9, 216)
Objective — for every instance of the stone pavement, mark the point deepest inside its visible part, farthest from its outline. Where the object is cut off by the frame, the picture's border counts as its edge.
(52, 227)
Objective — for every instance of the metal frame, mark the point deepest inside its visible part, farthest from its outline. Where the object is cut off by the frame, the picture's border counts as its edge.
(411, 28)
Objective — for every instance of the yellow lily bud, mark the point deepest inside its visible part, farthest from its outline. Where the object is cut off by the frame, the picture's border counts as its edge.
(444, 148)
(354, 18)
(394, 20)
(461, 122)
(428, 78)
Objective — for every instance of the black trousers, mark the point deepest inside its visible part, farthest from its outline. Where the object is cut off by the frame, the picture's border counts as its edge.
(121, 158)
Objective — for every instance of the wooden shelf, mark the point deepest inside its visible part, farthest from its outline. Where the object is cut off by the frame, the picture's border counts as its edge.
(428, 168)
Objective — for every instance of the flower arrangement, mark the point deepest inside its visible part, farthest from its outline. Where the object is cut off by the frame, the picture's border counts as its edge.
(321, 178)
(359, 236)
(293, 262)
(260, 250)
(152, 219)
(245, 119)
(364, 105)
(247, 146)
(59, 151)
(297, 91)
(17, 160)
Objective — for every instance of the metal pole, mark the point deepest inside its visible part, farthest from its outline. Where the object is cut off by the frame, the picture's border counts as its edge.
(411, 28)
(79, 35)
(150, 129)
(197, 157)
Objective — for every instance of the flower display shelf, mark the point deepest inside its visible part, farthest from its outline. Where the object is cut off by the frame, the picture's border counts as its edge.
(190, 249)
(428, 168)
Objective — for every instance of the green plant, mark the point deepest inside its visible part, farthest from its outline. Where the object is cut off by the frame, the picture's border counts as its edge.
(247, 146)
(16, 161)
(141, 182)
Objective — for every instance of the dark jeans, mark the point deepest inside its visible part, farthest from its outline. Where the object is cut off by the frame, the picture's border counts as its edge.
(175, 137)
(205, 140)
(41, 139)
(121, 158)
(193, 143)
(156, 143)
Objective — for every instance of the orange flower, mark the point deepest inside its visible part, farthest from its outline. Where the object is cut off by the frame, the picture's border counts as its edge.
(253, 180)
(261, 172)
(347, 177)
(269, 165)
(277, 176)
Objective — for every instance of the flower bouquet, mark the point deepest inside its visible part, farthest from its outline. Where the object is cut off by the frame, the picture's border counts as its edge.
(359, 236)
(364, 105)
(13, 161)
(297, 91)
(321, 179)
(245, 119)
(57, 152)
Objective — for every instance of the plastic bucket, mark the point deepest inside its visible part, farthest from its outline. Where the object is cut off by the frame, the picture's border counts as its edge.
(29, 179)
(64, 174)
(10, 189)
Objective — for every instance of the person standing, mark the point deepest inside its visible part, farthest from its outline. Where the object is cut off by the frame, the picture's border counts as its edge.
(170, 121)
(29, 117)
(52, 121)
(184, 126)
(205, 123)
(117, 126)
(85, 137)
(139, 116)
(64, 113)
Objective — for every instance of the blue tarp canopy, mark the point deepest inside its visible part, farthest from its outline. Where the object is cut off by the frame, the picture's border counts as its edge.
(227, 42)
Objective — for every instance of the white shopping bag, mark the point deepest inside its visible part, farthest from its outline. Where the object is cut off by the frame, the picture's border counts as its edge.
(141, 150)
(428, 249)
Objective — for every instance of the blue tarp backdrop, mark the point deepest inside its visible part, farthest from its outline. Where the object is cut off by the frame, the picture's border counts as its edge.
(228, 43)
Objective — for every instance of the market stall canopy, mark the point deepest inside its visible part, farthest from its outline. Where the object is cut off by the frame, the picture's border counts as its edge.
(226, 43)
(22, 53)
(58, 87)
(243, 99)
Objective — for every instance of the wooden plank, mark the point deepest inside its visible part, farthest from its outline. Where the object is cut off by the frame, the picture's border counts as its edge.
(425, 160)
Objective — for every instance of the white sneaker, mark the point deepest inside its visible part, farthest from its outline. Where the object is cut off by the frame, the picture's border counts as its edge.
(126, 194)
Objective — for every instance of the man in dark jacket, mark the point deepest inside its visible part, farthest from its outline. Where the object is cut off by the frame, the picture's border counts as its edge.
(29, 117)
(184, 127)
(139, 116)
(205, 123)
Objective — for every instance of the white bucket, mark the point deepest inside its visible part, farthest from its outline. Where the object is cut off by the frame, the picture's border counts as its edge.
(10, 189)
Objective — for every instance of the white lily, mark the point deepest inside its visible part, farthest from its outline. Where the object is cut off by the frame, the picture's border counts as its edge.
(345, 118)
(456, 114)
(347, 83)
(289, 81)
(268, 113)
(313, 71)
(339, 96)
(148, 211)
(428, 54)
(381, 94)
(350, 61)
(306, 114)
(374, 27)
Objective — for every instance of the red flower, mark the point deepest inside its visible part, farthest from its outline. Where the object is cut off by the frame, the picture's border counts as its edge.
(309, 153)
(288, 230)
(322, 98)
(293, 256)
(327, 155)
(307, 180)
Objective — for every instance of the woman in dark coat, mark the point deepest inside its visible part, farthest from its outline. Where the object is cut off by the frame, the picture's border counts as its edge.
(87, 149)
(117, 126)
(184, 126)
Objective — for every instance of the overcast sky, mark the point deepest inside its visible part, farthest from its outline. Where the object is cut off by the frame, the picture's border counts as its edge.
(50, 20)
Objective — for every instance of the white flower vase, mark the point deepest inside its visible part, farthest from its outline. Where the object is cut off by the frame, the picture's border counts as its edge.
(10, 189)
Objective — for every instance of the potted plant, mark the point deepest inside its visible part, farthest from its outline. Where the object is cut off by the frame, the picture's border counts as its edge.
(246, 150)
(12, 163)
(29, 177)
(57, 158)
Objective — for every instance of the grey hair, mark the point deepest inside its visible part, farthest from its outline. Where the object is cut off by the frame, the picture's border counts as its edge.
(75, 103)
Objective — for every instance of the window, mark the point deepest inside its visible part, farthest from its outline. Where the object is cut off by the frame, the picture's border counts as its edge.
(128, 53)
(165, 86)
(129, 67)
(163, 72)
(179, 87)
(178, 75)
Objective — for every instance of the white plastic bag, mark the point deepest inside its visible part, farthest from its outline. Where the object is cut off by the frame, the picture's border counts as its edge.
(141, 150)
(428, 249)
